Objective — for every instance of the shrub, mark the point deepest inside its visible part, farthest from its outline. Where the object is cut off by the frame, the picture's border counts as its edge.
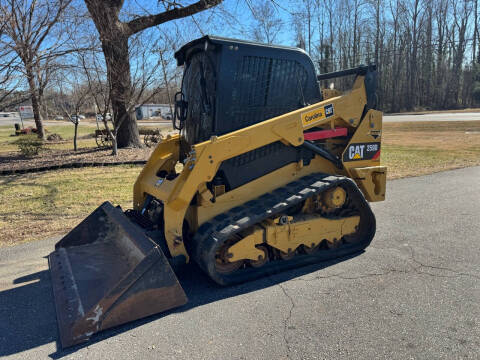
(54, 137)
(29, 145)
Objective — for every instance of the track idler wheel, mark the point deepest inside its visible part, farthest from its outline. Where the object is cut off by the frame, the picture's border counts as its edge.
(222, 263)
(333, 199)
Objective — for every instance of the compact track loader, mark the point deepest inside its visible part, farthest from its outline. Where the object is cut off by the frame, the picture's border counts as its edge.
(268, 172)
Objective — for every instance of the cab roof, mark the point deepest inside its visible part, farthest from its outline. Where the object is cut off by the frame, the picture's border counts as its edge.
(200, 44)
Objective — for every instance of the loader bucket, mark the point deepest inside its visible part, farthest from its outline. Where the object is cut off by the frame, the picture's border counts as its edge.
(107, 272)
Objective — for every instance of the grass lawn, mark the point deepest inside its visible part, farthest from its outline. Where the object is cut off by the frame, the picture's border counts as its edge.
(7, 142)
(412, 149)
(85, 138)
(39, 205)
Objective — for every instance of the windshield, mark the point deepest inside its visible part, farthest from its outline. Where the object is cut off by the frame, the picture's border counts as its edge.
(198, 87)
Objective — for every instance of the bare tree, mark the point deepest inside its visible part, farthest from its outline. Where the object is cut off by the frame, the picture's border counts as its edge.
(114, 36)
(476, 34)
(303, 18)
(266, 24)
(425, 50)
(74, 94)
(31, 31)
(461, 15)
(100, 90)
(9, 82)
(8, 62)
(150, 76)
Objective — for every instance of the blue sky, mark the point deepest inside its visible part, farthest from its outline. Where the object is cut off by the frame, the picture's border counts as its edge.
(216, 22)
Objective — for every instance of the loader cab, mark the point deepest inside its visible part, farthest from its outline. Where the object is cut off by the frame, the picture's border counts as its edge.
(231, 84)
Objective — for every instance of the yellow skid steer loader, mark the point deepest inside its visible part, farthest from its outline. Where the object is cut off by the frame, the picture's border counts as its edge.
(267, 172)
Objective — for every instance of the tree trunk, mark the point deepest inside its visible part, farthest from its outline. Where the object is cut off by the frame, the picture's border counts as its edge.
(475, 33)
(35, 105)
(412, 92)
(112, 134)
(127, 135)
(395, 65)
(114, 146)
(118, 69)
(75, 135)
(165, 79)
(428, 75)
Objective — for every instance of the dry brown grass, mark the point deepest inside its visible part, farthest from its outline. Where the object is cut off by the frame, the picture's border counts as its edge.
(412, 149)
(40, 205)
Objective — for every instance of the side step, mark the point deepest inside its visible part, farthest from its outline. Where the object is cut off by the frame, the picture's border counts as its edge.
(107, 272)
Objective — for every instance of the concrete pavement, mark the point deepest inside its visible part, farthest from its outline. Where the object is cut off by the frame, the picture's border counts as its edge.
(460, 116)
(413, 294)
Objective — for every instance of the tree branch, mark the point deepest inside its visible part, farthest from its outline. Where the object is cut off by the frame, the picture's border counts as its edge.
(136, 25)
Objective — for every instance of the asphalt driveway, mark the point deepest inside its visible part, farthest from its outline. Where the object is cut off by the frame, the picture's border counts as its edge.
(413, 294)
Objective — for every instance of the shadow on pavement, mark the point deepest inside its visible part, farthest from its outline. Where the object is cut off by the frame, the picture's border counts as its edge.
(28, 319)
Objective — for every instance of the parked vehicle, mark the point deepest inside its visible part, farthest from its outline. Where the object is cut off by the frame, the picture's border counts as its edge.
(100, 117)
(74, 118)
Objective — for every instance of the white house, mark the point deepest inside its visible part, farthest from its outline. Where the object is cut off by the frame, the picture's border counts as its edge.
(147, 111)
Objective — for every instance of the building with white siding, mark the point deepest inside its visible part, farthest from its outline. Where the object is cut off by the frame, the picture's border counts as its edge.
(147, 111)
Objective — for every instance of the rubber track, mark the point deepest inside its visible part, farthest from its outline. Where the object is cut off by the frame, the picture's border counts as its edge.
(212, 234)
(69, 166)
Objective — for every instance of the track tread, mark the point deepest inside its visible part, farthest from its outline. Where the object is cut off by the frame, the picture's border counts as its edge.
(211, 234)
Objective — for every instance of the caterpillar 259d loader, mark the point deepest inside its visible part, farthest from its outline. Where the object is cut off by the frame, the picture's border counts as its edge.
(268, 172)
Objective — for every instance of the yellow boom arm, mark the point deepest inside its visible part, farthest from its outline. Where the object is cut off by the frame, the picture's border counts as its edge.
(205, 158)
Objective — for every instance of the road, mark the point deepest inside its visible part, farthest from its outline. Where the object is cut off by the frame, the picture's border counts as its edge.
(414, 294)
(460, 116)
(11, 120)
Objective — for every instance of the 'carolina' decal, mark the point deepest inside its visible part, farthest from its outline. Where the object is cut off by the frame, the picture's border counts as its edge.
(316, 115)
